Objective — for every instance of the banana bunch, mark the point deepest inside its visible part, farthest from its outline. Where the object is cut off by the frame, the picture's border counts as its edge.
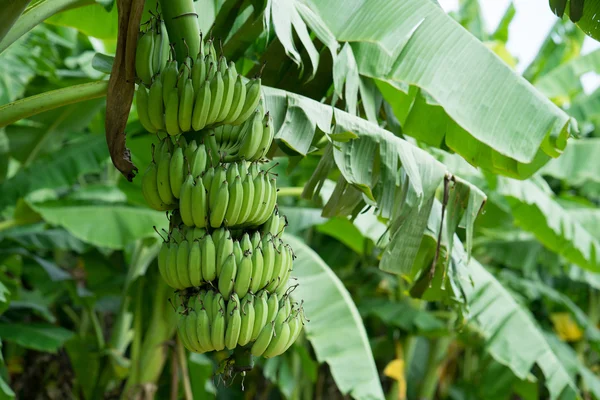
(152, 51)
(236, 195)
(267, 324)
(205, 92)
(558, 7)
(193, 258)
(249, 141)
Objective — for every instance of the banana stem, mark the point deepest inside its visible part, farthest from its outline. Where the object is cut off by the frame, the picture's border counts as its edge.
(290, 192)
(39, 103)
(36, 14)
(185, 376)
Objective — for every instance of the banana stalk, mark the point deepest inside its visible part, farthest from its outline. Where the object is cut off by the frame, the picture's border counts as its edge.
(182, 23)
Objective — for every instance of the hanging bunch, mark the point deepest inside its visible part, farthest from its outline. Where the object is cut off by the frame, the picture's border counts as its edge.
(224, 253)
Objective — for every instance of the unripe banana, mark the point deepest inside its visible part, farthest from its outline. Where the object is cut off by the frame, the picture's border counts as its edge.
(186, 204)
(268, 251)
(171, 271)
(203, 329)
(252, 137)
(201, 106)
(160, 54)
(207, 178)
(248, 316)
(141, 103)
(217, 333)
(244, 275)
(169, 79)
(199, 161)
(184, 74)
(269, 201)
(257, 270)
(295, 329)
(227, 276)
(282, 336)
(155, 105)
(186, 107)
(182, 333)
(218, 205)
(287, 261)
(208, 303)
(246, 243)
(183, 256)
(248, 189)
(224, 249)
(257, 200)
(267, 138)
(198, 73)
(239, 97)
(150, 189)
(260, 314)
(237, 252)
(272, 307)
(209, 268)
(176, 174)
(189, 150)
(192, 333)
(195, 264)
(218, 304)
(229, 76)
(234, 325)
(213, 148)
(282, 224)
(199, 204)
(163, 181)
(231, 172)
(216, 90)
(263, 340)
(255, 239)
(236, 199)
(143, 58)
(252, 98)
(171, 114)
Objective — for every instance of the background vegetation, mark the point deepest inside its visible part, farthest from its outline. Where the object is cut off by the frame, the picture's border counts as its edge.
(412, 292)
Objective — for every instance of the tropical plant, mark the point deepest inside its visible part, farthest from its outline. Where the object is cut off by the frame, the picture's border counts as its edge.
(443, 217)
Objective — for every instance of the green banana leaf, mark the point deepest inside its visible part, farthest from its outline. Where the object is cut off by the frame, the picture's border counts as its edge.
(536, 211)
(511, 335)
(578, 165)
(335, 330)
(411, 43)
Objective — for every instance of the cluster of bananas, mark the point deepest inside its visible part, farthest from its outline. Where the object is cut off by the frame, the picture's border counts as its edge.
(193, 257)
(236, 194)
(267, 324)
(205, 92)
(249, 141)
(152, 52)
(224, 253)
(558, 7)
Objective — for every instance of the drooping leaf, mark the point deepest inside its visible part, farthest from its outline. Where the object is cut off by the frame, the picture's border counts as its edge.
(409, 43)
(40, 337)
(511, 335)
(535, 211)
(578, 164)
(335, 330)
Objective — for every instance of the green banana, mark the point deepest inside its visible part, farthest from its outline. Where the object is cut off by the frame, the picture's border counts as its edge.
(191, 324)
(195, 264)
(263, 340)
(176, 169)
(186, 205)
(268, 263)
(234, 323)
(251, 102)
(281, 336)
(141, 103)
(217, 332)
(244, 274)
(160, 54)
(184, 74)
(247, 323)
(229, 75)
(203, 329)
(155, 105)
(209, 269)
(272, 307)
(169, 79)
(150, 189)
(218, 204)
(260, 314)
(171, 112)
(252, 137)
(171, 270)
(236, 199)
(163, 180)
(186, 107)
(207, 302)
(199, 160)
(199, 204)
(267, 138)
(227, 276)
(224, 249)
(257, 270)
(237, 252)
(216, 90)
(183, 254)
(239, 97)
(143, 58)
(248, 190)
